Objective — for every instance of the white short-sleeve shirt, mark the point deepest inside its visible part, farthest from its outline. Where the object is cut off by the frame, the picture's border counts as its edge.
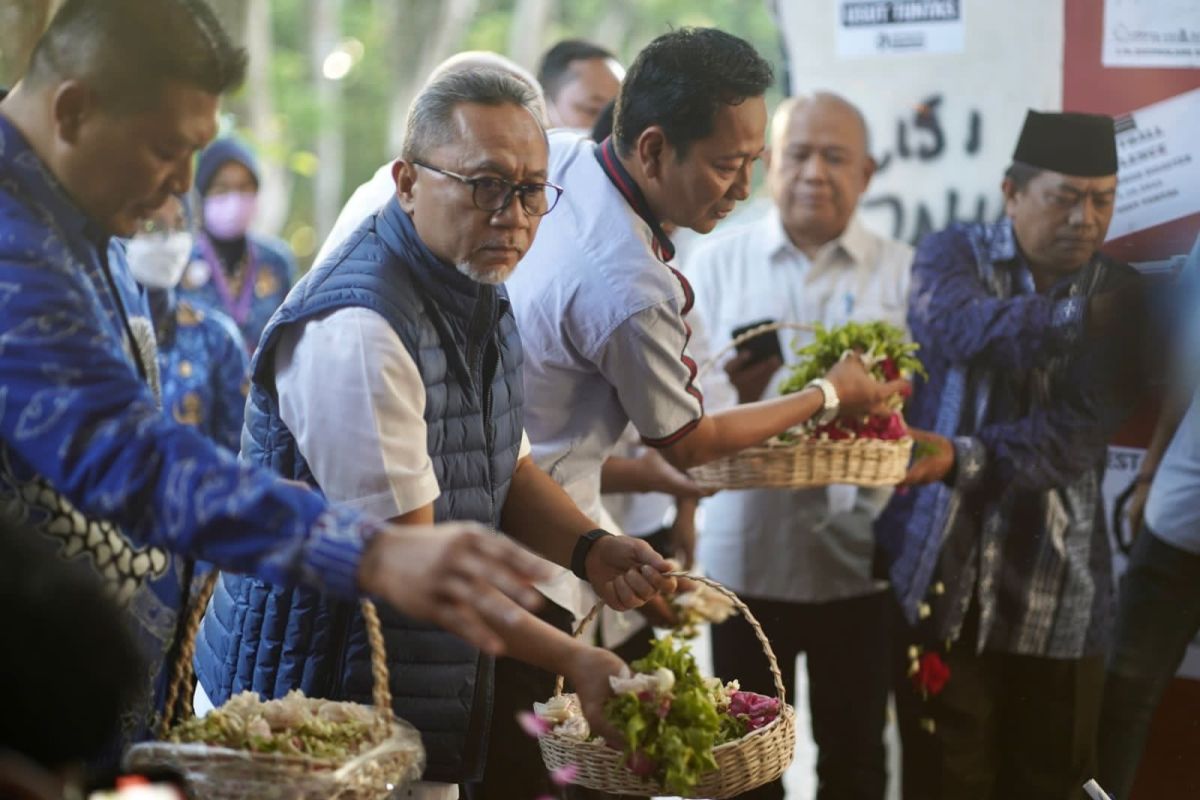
(351, 394)
(602, 324)
(809, 545)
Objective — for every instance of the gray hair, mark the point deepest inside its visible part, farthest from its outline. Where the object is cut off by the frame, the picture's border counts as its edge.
(429, 122)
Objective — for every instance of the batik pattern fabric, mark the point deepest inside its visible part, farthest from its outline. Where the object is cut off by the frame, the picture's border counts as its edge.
(204, 371)
(89, 460)
(271, 271)
(1030, 404)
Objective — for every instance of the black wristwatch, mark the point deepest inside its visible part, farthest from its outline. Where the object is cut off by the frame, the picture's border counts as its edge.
(582, 547)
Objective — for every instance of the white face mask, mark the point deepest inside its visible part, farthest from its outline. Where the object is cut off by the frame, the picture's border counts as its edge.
(158, 262)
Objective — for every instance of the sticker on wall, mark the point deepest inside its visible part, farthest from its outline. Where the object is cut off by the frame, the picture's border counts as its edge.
(1158, 156)
(1152, 33)
(889, 27)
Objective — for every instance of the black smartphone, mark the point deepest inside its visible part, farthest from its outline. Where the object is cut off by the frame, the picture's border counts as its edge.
(762, 346)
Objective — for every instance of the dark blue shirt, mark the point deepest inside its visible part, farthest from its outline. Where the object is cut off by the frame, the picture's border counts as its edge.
(270, 270)
(1030, 405)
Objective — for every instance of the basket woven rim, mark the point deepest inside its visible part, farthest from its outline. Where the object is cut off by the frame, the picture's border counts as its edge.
(200, 750)
(203, 750)
(776, 446)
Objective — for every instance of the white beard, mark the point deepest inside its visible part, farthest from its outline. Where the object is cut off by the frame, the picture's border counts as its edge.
(494, 277)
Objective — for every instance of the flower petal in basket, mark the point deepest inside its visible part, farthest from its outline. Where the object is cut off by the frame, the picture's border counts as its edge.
(757, 758)
(809, 462)
(223, 773)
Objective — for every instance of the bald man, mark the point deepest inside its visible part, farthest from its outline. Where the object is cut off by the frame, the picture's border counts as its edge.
(802, 559)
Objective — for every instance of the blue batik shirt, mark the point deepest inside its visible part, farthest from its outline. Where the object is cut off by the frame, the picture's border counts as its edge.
(263, 279)
(203, 367)
(1030, 405)
(88, 459)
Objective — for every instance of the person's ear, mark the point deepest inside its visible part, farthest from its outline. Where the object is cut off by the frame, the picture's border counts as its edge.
(651, 151)
(72, 105)
(1009, 188)
(869, 168)
(405, 175)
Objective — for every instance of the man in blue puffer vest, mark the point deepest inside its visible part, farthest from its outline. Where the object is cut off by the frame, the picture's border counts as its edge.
(391, 380)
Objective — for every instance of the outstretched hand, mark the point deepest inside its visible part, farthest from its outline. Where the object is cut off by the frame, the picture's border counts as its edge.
(858, 391)
(933, 459)
(626, 572)
(454, 574)
(590, 670)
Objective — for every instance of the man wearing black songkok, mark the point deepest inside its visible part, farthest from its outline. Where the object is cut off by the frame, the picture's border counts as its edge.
(1000, 560)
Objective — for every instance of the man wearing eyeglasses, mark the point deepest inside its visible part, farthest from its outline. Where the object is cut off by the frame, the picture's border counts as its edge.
(391, 379)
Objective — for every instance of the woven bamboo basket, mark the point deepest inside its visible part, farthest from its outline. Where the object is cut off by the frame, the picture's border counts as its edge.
(222, 773)
(804, 462)
(757, 758)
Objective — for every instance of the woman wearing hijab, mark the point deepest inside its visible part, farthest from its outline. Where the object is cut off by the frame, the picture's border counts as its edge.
(242, 274)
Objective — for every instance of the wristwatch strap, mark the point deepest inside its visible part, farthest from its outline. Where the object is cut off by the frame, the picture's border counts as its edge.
(582, 547)
(829, 409)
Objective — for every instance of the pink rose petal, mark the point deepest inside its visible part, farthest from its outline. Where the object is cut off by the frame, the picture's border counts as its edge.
(532, 724)
(565, 775)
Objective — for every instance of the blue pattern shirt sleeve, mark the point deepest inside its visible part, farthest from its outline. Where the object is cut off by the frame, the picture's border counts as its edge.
(952, 314)
(73, 410)
(1052, 446)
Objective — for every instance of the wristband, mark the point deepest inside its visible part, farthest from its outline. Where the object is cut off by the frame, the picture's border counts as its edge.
(830, 403)
(582, 547)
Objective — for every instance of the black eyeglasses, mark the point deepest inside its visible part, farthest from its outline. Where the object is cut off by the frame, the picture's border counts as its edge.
(494, 194)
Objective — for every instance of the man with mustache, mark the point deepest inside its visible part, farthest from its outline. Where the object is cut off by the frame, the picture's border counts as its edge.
(801, 559)
(118, 97)
(603, 314)
(391, 379)
(1028, 334)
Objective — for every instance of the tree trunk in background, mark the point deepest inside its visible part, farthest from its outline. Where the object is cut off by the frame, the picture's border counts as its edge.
(263, 122)
(331, 140)
(527, 31)
(615, 28)
(21, 23)
(425, 34)
(233, 16)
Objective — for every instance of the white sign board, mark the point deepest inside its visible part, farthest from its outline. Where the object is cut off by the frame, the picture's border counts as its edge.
(1158, 155)
(1151, 33)
(886, 27)
(943, 125)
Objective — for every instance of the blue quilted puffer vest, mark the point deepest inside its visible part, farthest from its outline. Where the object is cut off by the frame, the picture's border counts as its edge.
(464, 341)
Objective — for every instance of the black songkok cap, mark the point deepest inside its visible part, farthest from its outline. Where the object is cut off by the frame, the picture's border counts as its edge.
(1083, 145)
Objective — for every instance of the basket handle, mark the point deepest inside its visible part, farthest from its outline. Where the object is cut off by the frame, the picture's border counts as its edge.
(780, 692)
(747, 336)
(179, 704)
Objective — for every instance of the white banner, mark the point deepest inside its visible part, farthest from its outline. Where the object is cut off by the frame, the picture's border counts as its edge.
(1151, 33)
(886, 27)
(1158, 154)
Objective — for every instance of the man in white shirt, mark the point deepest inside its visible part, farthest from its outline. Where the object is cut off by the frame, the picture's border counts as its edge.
(801, 559)
(391, 380)
(602, 314)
